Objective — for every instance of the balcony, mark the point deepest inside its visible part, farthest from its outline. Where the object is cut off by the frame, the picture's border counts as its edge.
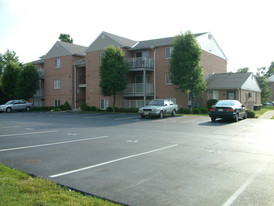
(134, 103)
(41, 73)
(140, 63)
(138, 89)
(39, 94)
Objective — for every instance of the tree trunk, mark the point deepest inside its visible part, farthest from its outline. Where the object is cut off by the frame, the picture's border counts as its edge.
(114, 100)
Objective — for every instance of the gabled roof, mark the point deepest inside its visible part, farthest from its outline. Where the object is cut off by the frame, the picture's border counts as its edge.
(123, 41)
(270, 79)
(64, 49)
(245, 81)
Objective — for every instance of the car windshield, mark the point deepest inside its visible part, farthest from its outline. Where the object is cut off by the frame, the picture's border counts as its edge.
(10, 102)
(225, 103)
(156, 103)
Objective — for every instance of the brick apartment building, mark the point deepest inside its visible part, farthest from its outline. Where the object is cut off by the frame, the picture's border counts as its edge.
(71, 72)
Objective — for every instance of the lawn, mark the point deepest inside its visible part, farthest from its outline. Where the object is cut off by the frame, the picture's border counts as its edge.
(17, 188)
(263, 110)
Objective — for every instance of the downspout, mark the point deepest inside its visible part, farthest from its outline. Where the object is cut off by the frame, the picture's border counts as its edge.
(239, 93)
(154, 65)
(75, 87)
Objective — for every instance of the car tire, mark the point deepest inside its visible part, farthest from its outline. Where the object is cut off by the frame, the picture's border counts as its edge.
(27, 109)
(173, 113)
(142, 116)
(213, 119)
(8, 110)
(236, 119)
(161, 115)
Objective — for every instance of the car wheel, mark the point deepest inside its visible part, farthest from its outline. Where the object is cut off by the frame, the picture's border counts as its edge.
(213, 119)
(173, 113)
(27, 109)
(161, 115)
(236, 118)
(245, 115)
(142, 116)
(8, 110)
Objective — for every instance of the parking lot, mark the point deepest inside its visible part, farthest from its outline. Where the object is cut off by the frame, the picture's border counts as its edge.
(182, 160)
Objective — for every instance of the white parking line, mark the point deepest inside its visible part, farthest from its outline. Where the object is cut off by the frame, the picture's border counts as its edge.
(112, 161)
(19, 134)
(50, 144)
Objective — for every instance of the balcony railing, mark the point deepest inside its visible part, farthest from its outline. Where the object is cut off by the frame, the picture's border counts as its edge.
(39, 93)
(140, 63)
(138, 88)
(134, 103)
(41, 73)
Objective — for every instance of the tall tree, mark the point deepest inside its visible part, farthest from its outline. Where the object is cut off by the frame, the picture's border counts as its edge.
(7, 57)
(65, 38)
(185, 70)
(27, 82)
(270, 71)
(243, 70)
(113, 71)
(261, 77)
(9, 79)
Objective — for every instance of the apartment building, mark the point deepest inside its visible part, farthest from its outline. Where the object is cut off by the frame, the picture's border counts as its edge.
(71, 72)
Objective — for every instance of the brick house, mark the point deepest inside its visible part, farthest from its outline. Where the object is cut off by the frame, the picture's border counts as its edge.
(270, 81)
(240, 86)
(71, 72)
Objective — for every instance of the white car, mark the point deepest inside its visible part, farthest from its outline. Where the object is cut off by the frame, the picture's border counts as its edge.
(159, 108)
(15, 105)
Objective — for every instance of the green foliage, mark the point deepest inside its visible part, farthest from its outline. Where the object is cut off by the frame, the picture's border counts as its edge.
(93, 108)
(261, 76)
(203, 110)
(113, 71)
(65, 38)
(196, 111)
(9, 79)
(27, 82)
(250, 114)
(44, 108)
(109, 109)
(184, 111)
(8, 57)
(211, 102)
(65, 107)
(185, 70)
(84, 106)
(243, 70)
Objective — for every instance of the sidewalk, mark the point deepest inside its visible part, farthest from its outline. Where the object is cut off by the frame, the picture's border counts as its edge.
(267, 115)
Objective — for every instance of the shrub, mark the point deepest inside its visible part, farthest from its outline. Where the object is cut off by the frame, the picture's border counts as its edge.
(65, 107)
(196, 111)
(203, 110)
(57, 109)
(109, 109)
(211, 102)
(184, 111)
(93, 108)
(250, 114)
(84, 106)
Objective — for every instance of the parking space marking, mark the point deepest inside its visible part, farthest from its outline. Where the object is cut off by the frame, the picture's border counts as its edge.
(20, 134)
(112, 161)
(50, 144)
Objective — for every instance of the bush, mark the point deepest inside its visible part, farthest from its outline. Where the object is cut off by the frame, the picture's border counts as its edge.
(93, 108)
(203, 110)
(84, 106)
(65, 107)
(184, 111)
(211, 102)
(109, 109)
(43, 108)
(196, 111)
(250, 114)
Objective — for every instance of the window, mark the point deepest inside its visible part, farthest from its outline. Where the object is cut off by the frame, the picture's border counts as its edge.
(231, 95)
(168, 52)
(167, 78)
(213, 95)
(245, 98)
(57, 102)
(255, 97)
(104, 104)
(57, 63)
(56, 84)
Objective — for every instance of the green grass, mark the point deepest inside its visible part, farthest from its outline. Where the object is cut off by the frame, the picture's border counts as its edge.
(20, 189)
(263, 110)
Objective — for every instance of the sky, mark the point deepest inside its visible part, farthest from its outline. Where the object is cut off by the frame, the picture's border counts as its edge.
(243, 28)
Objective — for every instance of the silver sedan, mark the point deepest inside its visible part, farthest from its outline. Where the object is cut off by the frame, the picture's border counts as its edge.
(15, 105)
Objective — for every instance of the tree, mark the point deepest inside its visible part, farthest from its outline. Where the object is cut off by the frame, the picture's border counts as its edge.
(9, 79)
(27, 82)
(65, 38)
(270, 71)
(243, 70)
(113, 71)
(185, 70)
(9, 56)
(261, 77)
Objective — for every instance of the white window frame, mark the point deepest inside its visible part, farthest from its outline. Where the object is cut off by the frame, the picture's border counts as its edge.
(214, 93)
(57, 84)
(103, 104)
(57, 102)
(167, 79)
(57, 63)
(168, 51)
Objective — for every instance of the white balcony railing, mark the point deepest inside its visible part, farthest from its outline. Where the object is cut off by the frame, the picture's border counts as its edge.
(134, 103)
(138, 88)
(140, 62)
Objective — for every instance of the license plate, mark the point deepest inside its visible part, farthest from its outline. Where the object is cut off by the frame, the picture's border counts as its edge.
(220, 110)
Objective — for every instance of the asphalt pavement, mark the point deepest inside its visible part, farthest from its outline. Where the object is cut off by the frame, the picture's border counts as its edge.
(182, 160)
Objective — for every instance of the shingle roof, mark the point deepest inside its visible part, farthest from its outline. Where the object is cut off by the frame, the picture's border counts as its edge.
(227, 80)
(124, 41)
(157, 42)
(73, 48)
